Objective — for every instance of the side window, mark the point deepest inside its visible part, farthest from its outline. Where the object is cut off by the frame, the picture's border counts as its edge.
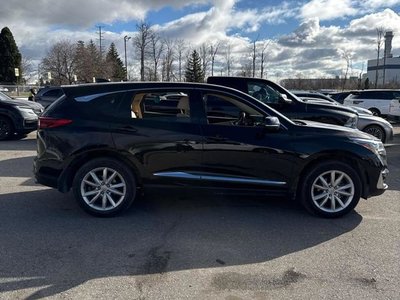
(161, 106)
(104, 105)
(396, 95)
(384, 95)
(367, 95)
(228, 111)
(263, 92)
(53, 93)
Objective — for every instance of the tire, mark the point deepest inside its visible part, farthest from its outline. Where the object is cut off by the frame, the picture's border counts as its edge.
(104, 187)
(6, 128)
(327, 196)
(376, 131)
(375, 111)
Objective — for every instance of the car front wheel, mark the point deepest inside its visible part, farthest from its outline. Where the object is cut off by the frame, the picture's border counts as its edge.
(6, 128)
(104, 187)
(376, 131)
(330, 189)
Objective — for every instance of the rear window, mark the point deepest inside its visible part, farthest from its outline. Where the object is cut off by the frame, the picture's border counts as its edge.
(96, 107)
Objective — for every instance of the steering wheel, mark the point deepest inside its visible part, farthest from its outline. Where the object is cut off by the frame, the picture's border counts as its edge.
(244, 120)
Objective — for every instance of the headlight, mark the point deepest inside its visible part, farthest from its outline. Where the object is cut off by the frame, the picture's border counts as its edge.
(26, 111)
(352, 122)
(373, 145)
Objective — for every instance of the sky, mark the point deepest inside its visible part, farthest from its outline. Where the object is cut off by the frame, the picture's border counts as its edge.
(303, 38)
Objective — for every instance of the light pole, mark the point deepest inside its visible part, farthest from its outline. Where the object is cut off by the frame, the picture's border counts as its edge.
(126, 38)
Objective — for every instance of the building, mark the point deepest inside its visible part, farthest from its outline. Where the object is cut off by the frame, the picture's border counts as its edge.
(387, 69)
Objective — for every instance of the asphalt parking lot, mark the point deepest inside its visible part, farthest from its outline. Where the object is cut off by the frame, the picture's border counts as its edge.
(192, 247)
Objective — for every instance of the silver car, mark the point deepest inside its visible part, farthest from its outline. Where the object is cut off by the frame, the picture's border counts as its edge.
(368, 123)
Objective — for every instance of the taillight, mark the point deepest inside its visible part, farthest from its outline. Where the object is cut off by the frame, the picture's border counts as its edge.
(46, 122)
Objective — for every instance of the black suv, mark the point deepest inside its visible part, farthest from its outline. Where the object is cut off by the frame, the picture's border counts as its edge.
(108, 141)
(48, 95)
(287, 103)
(17, 117)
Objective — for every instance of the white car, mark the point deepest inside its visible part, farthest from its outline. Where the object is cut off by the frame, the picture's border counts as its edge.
(394, 110)
(377, 101)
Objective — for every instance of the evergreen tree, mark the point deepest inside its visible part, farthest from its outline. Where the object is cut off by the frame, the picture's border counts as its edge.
(10, 57)
(116, 69)
(194, 70)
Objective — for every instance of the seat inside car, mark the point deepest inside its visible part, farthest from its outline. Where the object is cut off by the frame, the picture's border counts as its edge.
(183, 107)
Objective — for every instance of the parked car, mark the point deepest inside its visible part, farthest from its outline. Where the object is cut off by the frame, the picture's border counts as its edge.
(47, 95)
(315, 96)
(377, 101)
(394, 110)
(105, 143)
(17, 117)
(339, 96)
(287, 103)
(374, 125)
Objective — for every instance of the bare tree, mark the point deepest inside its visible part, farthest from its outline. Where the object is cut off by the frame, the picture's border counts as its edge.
(347, 56)
(379, 42)
(141, 43)
(157, 48)
(60, 61)
(205, 58)
(168, 60)
(213, 53)
(253, 57)
(228, 59)
(26, 68)
(180, 46)
(263, 56)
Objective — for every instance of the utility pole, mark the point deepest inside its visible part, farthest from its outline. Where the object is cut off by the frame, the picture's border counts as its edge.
(126, 38)
(100, 40)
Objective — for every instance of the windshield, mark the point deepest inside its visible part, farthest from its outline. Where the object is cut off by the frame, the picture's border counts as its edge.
(4, 96)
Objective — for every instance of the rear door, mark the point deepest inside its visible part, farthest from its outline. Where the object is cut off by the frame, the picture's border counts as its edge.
(160, 135)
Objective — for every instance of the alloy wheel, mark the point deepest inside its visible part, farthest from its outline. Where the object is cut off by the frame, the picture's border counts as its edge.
(103, 189)
(332, 191)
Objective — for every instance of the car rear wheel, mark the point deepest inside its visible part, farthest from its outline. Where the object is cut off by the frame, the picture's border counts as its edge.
(330, 189)
(104, 187)
(376, 131)
(375, 111)
(6, 128)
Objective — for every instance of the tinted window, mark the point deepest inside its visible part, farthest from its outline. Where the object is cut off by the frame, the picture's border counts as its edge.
(263, 92)
(103, 106)
(53, 93)
(223, 109)
(161, 106)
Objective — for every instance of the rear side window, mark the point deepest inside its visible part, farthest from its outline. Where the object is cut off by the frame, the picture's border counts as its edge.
(53, 93)
(159, 105)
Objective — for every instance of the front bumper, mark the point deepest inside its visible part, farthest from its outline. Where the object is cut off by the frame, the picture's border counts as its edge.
(393, 118)
(381, 185)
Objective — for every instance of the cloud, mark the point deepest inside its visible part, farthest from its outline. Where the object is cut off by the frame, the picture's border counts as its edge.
(311, 48)
(327, 9)
(83, 14)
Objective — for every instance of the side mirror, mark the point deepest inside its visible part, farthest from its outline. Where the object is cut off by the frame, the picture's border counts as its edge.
(272, 123)
(285, 98)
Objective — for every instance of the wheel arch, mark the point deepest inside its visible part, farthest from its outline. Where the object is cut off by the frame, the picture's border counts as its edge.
(375, 109)
(12, 125)
(67, 176)
(377, 125)
(345, 157)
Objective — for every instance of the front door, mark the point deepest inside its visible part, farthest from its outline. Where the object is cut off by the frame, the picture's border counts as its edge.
(238, 151)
